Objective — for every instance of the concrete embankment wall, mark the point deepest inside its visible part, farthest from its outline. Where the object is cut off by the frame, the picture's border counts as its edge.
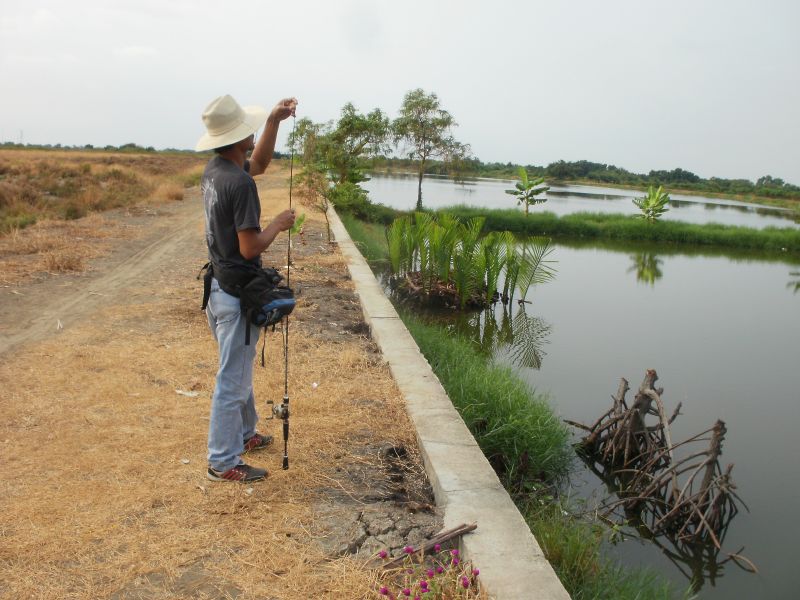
(512, 565)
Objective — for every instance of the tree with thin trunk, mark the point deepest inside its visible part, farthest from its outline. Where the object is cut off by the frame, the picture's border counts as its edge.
(425, 127)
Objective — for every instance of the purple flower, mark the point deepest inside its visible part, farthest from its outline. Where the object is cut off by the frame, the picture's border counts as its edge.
(429, 573)
(454, 552)
(465, 582)
(423, 584)
(476, 572)
(384, 591)
(408, 550)
(439, 570)
(383, 554)
(437, 547)
(406, 592)
(455, 561)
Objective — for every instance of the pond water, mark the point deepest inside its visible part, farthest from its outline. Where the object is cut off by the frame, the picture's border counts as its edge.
(400, 191)
(722, 333)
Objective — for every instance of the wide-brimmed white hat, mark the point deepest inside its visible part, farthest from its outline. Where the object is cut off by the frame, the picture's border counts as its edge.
(227, 123)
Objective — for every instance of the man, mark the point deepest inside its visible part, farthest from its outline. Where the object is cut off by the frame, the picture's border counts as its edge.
(235, 239)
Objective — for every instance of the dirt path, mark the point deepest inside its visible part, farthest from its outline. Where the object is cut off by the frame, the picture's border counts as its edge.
(103, 424)
(33, 312)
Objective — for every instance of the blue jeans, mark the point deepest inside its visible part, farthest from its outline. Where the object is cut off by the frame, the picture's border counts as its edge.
(233, 407)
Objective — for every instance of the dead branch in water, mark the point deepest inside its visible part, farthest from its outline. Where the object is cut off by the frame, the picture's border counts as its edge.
(689, 500)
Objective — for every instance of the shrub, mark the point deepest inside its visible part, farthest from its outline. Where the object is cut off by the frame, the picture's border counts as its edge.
(349, 197)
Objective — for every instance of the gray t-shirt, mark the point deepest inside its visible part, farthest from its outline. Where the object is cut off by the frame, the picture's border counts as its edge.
(231, 205)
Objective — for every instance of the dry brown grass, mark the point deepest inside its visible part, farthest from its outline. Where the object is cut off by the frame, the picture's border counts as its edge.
(104, 493)
(57, 246)
(68, 184)
(93, 420)
(168, 191)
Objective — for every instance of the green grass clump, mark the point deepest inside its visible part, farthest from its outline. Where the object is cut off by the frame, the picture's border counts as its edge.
(369, 238)
(628, 227)
(516, 429)
(575, 549)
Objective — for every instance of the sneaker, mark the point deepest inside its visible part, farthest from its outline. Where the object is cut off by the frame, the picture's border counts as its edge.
(257, 442)
(241, 473)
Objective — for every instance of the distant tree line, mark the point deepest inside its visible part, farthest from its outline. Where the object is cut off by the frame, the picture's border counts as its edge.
(584, 170)
(127, 148)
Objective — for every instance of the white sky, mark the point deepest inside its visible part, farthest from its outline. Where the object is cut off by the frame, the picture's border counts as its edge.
(709, 86)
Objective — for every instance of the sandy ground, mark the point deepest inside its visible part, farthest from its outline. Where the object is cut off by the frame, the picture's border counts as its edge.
(106, 377)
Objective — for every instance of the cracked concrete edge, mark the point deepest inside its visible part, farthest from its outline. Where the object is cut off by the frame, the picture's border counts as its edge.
(465, 485)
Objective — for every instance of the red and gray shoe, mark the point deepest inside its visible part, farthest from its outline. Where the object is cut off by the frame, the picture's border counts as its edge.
(241, 473)
(257, 442)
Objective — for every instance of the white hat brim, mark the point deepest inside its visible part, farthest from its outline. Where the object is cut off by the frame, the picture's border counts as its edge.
(254, 118)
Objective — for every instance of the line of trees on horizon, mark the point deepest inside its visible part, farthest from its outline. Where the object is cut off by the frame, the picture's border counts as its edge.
(584, 170)
(375, 155)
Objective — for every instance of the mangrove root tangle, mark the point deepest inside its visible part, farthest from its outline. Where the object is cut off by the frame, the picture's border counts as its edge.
(690, 500)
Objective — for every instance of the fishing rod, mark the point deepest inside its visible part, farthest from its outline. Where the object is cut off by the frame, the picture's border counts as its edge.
(281, 411)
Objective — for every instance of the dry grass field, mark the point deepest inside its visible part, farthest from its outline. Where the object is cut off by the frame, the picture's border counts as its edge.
(107, 370)
(69, 184)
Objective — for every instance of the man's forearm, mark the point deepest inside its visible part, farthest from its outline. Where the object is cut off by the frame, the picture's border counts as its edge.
(262, 153)
(267, 236)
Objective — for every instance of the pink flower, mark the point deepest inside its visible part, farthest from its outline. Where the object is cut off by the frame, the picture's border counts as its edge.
(455, 561)
(408, 550)
(384, 591)
(383, 554)
(407, 592)
(476, 572)
(423, 584)
(465, 582)
(454, 552)
(439, 570)
(437, 547)
(429, 573)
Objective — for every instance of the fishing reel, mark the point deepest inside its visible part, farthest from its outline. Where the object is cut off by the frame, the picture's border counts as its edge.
(279, 411)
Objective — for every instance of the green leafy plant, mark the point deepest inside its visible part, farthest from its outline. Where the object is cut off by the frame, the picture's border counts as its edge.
(444, 257)
(298, 224)
(654, 204)
(528, 189)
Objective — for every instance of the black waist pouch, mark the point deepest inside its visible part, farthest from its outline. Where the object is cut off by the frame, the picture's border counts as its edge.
(264, 300)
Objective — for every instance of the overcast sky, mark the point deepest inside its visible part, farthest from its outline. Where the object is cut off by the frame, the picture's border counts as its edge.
(710, 86)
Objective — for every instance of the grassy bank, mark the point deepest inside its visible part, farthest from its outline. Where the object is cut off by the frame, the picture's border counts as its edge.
(630, 228)
(513, 425)
(517, 430)
(527, 444)
(790, 203)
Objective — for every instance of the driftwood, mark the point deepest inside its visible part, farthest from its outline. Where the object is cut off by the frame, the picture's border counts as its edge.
(439, 538)
(689, 501)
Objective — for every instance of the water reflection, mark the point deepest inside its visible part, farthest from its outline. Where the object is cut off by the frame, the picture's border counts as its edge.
(581, 194)
(794, 284)
(506, 329)
(647, 267)
(701, 562)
